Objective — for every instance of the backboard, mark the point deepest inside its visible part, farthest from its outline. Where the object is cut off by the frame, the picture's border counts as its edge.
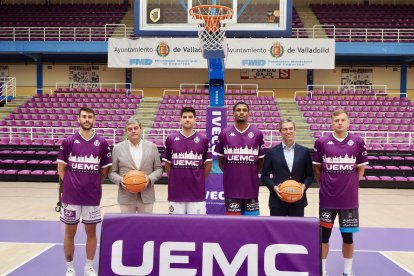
(252, 18)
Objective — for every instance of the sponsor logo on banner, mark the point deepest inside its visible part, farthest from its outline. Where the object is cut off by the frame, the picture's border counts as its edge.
(191, 249)
(277, 50)
(163, 49)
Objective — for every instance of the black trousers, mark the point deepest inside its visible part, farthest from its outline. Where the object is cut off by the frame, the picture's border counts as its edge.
(288, 210)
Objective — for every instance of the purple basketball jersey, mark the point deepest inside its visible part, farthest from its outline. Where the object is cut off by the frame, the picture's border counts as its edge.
(240, 150)
(186, 155)
(339, 176)
(84, 159)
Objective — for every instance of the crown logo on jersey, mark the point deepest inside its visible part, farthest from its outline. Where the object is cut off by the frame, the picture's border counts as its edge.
(196, 140)
(232, 134)
(241, 150)
(340, 160)
(84, 159)
(350, 143)
(96, 143)
(187, 155)
(251, 134)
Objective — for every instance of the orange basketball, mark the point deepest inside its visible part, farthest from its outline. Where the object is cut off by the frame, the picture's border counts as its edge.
(291, 191)
(135, 181)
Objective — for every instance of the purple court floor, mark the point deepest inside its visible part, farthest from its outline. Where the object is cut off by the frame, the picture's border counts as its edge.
(369, 260)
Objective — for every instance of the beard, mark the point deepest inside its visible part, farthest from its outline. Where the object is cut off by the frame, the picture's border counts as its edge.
(86, 128)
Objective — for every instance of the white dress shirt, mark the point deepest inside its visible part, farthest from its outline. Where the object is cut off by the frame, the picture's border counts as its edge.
(289, 153)
(136, 153)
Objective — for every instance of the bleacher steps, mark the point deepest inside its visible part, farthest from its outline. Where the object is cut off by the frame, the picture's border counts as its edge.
(12, 105)
(309, 19)
(128, 20)
(147, 110)
(288, 109)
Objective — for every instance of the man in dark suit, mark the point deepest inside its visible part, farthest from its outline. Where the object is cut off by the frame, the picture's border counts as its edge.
(288, 160)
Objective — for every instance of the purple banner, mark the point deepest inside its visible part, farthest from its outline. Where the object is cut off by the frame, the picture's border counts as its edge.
(208, 245)
(215, 194)
(216, 120)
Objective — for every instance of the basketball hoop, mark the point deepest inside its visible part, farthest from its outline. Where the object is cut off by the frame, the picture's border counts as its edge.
(211, 25)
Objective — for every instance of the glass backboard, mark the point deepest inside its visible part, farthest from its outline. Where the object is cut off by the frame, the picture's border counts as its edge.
(252, 18)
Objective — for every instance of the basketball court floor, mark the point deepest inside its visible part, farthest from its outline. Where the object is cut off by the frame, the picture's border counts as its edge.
(31, 235)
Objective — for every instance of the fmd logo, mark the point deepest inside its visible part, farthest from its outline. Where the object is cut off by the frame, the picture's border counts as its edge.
(140, 61)
(253, 62)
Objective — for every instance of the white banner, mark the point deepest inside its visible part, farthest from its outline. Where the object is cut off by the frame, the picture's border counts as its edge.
(242, 53)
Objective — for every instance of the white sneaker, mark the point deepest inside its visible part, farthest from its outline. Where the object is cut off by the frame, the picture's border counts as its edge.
(325, 274)
(70, 271)
(350, 274)
(89, 271)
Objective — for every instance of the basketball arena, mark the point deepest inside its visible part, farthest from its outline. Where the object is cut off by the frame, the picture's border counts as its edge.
(147, 59)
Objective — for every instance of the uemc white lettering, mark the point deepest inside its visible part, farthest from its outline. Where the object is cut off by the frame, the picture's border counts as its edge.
(210, 252)
(233, 157)
(339, 167)
(216, 129)
(88, 167)
(192, 163)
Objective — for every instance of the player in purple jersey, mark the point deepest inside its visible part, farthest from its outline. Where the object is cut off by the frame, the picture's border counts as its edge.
(339, 162)
(187, 159)
(240, 153)
(83, 162)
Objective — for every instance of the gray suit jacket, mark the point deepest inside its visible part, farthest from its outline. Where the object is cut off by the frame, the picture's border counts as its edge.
(122, 163)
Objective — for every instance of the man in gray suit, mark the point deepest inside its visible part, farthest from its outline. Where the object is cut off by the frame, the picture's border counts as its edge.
(135, 154)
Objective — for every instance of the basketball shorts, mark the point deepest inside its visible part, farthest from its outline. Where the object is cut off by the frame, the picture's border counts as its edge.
(239, 206)
(190, 208)
(348, 219)
(71, 214)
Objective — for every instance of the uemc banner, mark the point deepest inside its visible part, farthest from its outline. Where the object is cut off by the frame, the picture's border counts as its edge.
(168, 245)
(257, 53)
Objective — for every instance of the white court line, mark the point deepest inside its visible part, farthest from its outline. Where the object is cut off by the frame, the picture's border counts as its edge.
(395, 262)
(383, 254)
(29, 259)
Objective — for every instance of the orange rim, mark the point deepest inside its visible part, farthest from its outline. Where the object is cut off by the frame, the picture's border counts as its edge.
(208, 17)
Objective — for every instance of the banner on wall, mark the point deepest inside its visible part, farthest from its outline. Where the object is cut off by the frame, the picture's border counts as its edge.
(4, 71)
(208, 245)
(265, 74)
(358, 78)
(79, 74)
(251, 53)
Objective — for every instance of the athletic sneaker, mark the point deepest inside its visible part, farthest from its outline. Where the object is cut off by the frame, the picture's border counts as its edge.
(350, 274)
(325, 274)
(89, 271)
(70, 271)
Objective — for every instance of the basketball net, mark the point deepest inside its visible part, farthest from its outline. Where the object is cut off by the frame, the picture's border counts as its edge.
(211, 25)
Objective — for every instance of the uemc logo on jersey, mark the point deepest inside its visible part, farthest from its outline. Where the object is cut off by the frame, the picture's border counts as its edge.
(209, 254)
(187, 159)
(339, 164)
(85, 163)
(241, 154)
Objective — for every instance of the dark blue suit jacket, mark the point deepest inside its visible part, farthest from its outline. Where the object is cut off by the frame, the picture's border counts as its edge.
(275, 163)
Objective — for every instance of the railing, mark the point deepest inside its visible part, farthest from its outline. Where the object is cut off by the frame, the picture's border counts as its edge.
(7, 88)
(49, 133)
(363, 35)
(391, 138)
(99, 85)
(271, 137)
(266, 92)
(65, 33)
(326, 88)
(167, 91)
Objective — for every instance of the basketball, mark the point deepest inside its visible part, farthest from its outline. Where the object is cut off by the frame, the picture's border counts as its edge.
(291, 191)
(134, 181)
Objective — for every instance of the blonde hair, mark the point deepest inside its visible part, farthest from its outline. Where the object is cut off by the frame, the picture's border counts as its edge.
(339, 112)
